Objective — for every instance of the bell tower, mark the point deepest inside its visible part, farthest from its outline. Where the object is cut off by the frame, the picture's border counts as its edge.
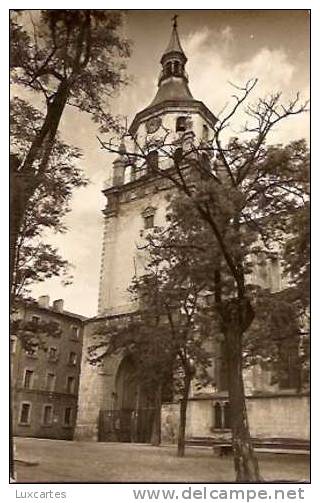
(136, 198)
(136, 201)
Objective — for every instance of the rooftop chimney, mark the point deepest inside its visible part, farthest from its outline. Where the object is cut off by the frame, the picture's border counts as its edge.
(44, 301)
(58, 305)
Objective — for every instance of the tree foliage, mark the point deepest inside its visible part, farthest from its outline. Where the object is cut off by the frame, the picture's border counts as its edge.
(34, 336)
(242, 192)
(35, 260)
(163, 337)
(83, 49)
(69, 58)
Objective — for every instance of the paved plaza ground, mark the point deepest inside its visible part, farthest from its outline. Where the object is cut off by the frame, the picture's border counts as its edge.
(63, 461)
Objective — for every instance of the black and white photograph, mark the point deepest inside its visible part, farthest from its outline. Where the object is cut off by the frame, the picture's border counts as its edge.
(160, 248)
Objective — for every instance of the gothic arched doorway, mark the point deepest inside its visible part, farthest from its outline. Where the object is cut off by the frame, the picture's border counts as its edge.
(131, 417)
(126, 386)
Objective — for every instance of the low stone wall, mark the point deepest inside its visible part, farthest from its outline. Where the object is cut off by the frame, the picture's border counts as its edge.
(280, 416)
(285, 416)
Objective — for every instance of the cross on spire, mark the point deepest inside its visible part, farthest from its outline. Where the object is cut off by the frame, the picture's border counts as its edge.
(174, 43)
(174, 19)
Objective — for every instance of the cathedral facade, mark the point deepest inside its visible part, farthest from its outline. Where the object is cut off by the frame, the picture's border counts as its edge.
(111, 406)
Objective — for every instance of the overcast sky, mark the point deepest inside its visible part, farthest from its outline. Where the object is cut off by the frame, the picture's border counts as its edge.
(221, 46)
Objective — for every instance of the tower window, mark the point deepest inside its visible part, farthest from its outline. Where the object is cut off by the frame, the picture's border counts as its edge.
(167, 69)
(149, 222)
(176, 68)
(205, 132)
(148, 217)
(178, 155)
(152, 160)
(181, 124)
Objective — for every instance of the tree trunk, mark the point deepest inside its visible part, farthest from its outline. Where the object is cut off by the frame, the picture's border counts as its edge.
(183, 416)
(156, 426)
(26, 178)
(236, 320)
(42, 144)
(16, 219)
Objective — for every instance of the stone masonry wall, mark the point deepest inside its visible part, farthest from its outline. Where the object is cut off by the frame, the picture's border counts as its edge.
(273, 416)
(95, 390)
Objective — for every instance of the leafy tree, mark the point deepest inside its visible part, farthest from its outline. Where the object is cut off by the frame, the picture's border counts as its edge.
(242, 192)
(69, 58)
(283, 317)
(163, 336)
(35, 260)
(170, 295)
(33, 336)
(275, 340)
(148, 345)
(31, 258)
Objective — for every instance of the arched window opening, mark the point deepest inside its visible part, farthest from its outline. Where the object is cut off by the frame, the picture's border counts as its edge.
(181, 124)
(167, 69)
(205, 132)
(177, 156)
(205, 163)
(152, 161)
(176, 68)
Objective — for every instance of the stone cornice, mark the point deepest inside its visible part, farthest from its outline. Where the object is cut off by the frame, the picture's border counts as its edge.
(136, 189)
(172, 106)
